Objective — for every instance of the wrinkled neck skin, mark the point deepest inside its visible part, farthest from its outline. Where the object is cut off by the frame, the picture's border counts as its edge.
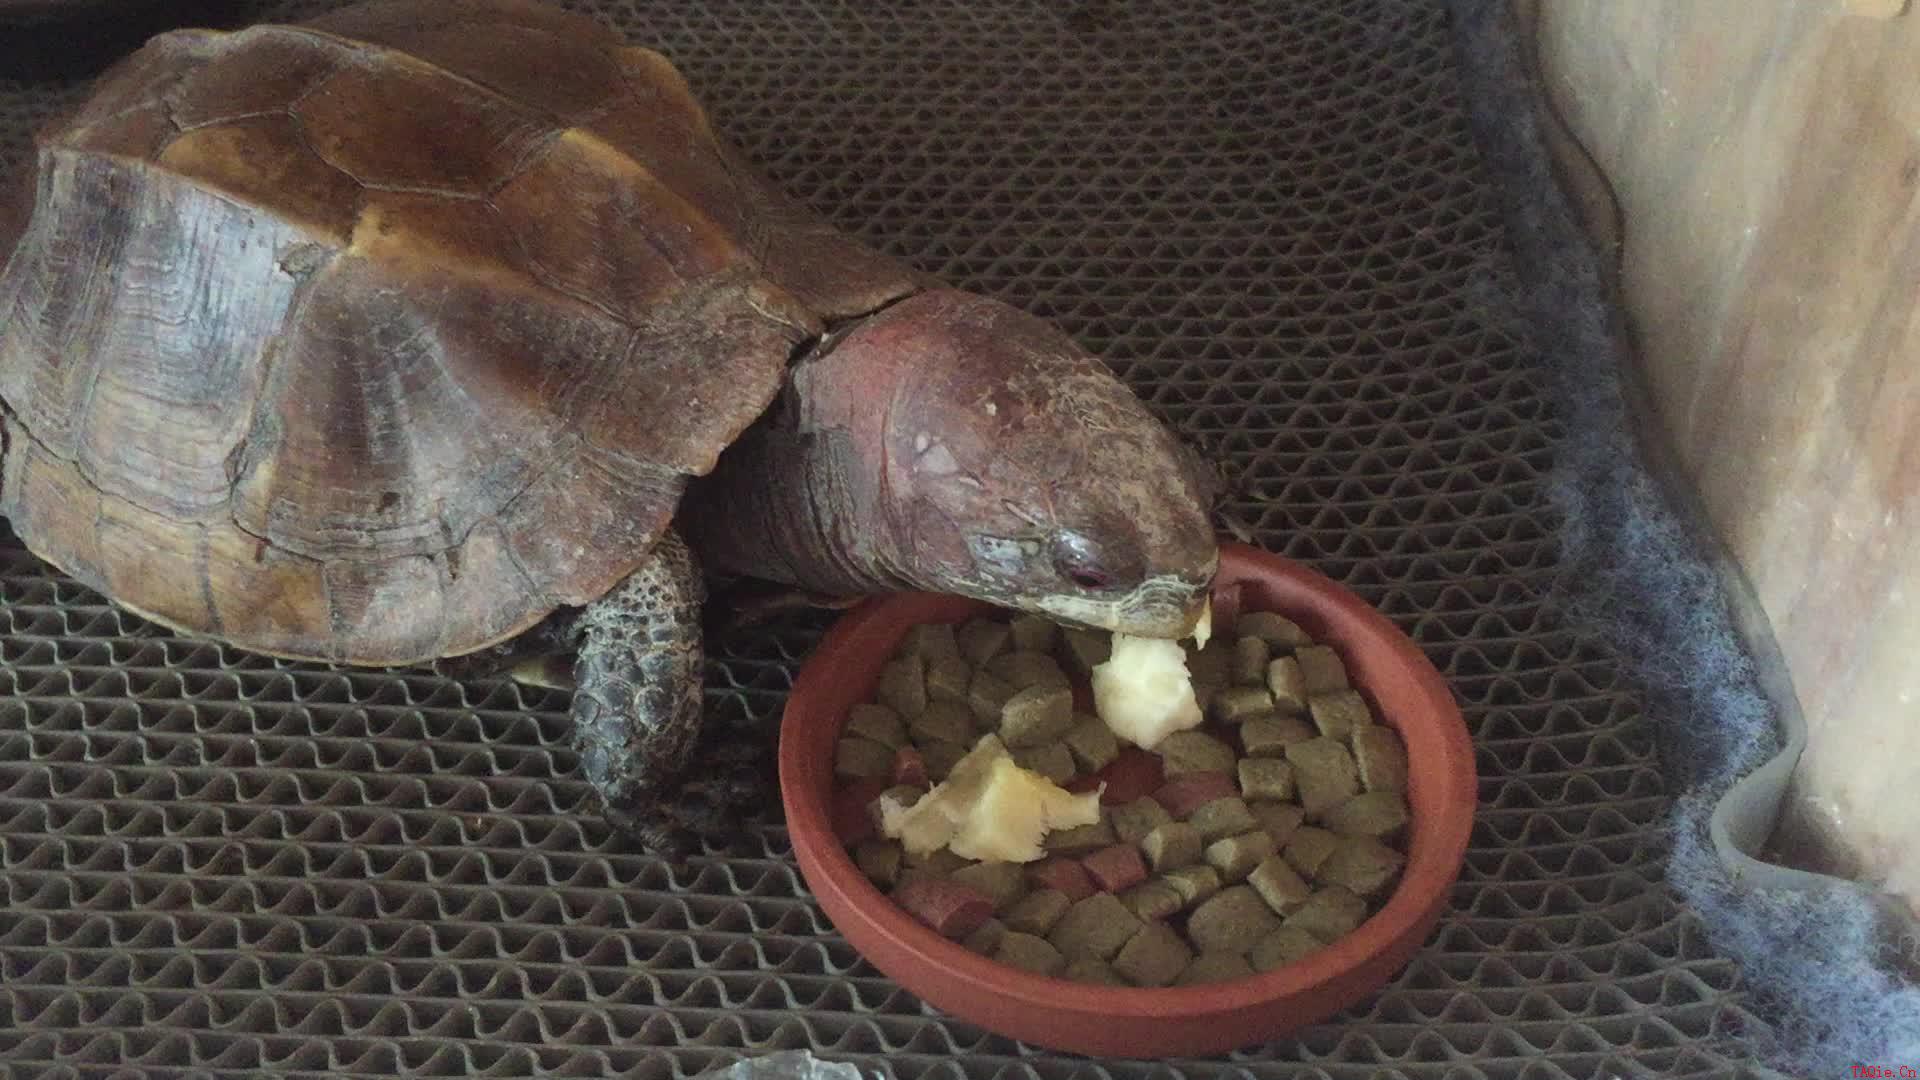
(795, 500)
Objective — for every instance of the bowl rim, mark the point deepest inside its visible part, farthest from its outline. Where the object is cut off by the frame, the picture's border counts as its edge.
(1436, 863)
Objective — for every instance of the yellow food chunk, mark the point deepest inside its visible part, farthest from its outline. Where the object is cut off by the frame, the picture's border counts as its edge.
(1144, 692)
(988, 808)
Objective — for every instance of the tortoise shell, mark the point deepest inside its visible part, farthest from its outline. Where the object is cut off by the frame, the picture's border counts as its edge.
(377, 338)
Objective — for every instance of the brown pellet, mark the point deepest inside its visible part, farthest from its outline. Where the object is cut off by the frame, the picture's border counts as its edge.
(1023, 669)
(1154, 956)
(876, 722)
(1329, 914)
(1097, 926)
(1323, 773)
(1222, 817)
(1378, 814)
(1268, 736)
(1032, 633)
(1251, 655)
(1381, 757)
(945, 721)
(1308, 848)
(1233, 921)
(1338, 712)
(1282, 947)
(1029, 953)
(1322, 669)
(983, 639)
(1052, 760)
(1265, 778)
(1362, 864)
(1236, 856)
(1194, 751)
(1277, 630)
(1213, 968)
(1237, 703)
(855, 758)
(1037, 912)
(1133, 821)
(903, 687)
(1171, 846)
(1288, 685)
(1092, 743)
(1279, 885)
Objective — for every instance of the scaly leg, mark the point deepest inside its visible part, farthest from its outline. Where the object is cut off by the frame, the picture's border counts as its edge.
(637, 705)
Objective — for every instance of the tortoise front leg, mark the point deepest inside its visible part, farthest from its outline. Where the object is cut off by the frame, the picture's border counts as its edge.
(637, 703)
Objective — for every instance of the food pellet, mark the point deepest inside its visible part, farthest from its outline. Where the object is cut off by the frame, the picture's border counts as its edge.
(1324, 774)
(1381, 758)
(1321, 668)
(1280, 819)
(1116, 868)
(1308, 848)
(1038, 714)
(1210, 669)
(1251, 655)
(1194, 751)
(1171, 846)
(1329, 914)
(1062, 875)
(1088, 969)
(1182, 795)
(1023, 669)
(1279, 885)
(878, 723)
(1236, 856)
(981, 640)
(951, 909)
(986, 696)
(855, 758)
(1002, 883)
(1378, 814)
(903, 687)
(1237, 703)
(1213, 968)
(1154, 956)
(1268, 736)
(880, 860)
(941, 757)
(1232, 921)
(1362, 864)
(1277, 630)
(987, 938)
(909, 769)
(1153, 900)
(1338, 712)
(1096, 926)
(1282, 947)
(1265, 778)
(1032, 633)
(948, 679)
(1092, 743)
(931, 642)
(1134, 820)
(1193, 883)
(940, 861)
(1222, 817)
(1288, 685)
(1086, 651)
(1081, 838)
(943, 720)
(1052, 760)
(1029, 953)
(1037, 912)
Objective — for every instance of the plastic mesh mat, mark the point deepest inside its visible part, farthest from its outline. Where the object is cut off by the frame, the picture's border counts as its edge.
(1270, 220)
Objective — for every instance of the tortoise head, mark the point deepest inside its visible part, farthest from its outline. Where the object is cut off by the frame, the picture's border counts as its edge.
(1018, 470)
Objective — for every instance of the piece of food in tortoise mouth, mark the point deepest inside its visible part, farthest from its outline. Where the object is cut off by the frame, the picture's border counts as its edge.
(1141, 846)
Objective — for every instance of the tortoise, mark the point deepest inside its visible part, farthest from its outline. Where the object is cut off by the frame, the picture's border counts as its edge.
(424, 333)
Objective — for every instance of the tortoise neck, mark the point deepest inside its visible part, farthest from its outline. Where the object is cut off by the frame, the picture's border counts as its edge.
(802, 497)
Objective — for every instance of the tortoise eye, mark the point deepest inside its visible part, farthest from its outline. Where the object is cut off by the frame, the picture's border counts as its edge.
(1077, 559)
